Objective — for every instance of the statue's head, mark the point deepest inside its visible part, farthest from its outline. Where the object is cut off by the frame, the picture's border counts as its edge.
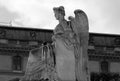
(59, 12)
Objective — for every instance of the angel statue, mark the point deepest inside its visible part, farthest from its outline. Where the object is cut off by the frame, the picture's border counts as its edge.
(71, 42)
(66, 59)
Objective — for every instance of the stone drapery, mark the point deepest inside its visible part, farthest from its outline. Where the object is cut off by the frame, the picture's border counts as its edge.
(41, 64)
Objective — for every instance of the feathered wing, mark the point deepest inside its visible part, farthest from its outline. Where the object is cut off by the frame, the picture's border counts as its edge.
(80, 27)
(80, 22)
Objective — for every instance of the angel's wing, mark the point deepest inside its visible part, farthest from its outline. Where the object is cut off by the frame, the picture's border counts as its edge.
(80, 22)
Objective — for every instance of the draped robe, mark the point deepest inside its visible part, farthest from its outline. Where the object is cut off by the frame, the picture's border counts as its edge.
(67, 50)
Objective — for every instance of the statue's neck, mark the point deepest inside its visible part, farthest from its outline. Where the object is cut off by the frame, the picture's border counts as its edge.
(61, 20)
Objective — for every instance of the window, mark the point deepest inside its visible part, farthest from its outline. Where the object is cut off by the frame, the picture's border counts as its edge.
(17, 63)
(33, 34)
(2, 33)
(91, 40)
(117, 41)
(104, 66)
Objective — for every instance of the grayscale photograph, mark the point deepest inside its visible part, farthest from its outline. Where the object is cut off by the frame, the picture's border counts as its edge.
(59, 40)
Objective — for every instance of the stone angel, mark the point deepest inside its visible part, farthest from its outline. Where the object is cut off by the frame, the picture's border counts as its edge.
(71, 42)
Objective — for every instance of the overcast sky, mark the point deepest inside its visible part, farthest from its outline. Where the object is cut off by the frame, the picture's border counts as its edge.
(104, 15)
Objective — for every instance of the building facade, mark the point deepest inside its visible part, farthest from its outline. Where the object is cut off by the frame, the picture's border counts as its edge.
(15, 44)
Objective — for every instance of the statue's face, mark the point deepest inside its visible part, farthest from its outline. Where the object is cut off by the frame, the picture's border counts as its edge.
(57, 15)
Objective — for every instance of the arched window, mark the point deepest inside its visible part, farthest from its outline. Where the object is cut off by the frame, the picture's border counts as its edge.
(17, 63)
(104, 66)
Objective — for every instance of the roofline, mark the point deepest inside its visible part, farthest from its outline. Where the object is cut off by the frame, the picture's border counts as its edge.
(104, 34)
(50, 30)
(24, 28)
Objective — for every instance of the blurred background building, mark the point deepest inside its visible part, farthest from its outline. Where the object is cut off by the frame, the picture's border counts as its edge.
(15, 44)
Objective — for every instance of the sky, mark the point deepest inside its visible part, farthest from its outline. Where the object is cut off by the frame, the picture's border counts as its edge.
(103, 15)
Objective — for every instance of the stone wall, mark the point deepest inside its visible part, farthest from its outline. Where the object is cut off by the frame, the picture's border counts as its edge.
(5, 62)
(115, 67)
(94, 66)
